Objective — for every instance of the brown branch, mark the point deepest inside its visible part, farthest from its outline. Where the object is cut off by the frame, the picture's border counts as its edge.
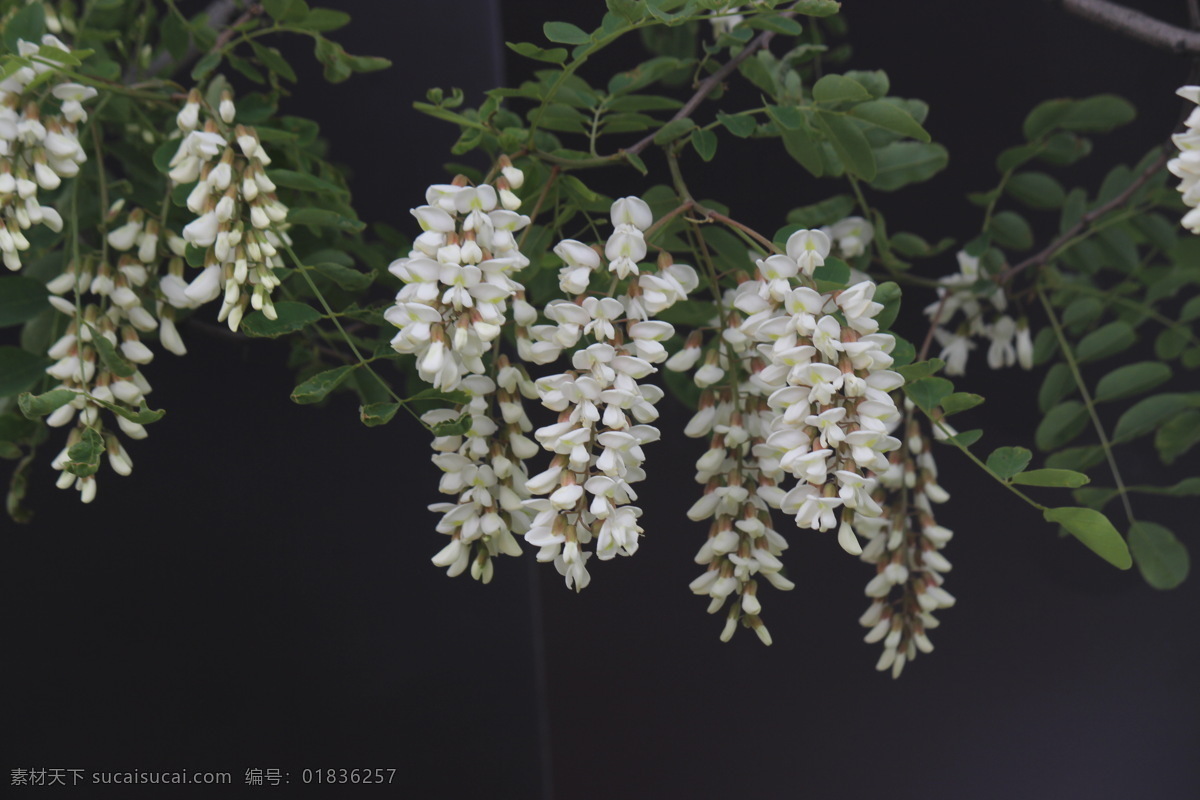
(1136, 25)
(1084, 222)
(710, 83)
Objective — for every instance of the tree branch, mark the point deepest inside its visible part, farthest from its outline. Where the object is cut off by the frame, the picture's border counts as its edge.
(1084, 222)
(710, 83)
(1136, 25)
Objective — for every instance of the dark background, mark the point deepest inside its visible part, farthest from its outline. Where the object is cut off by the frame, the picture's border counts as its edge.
(259, 594)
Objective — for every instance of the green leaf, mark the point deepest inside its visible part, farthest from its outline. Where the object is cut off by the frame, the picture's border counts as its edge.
(322, 20)
(832, 89)
(960, 401)
(1036, 190)
(287, 10)
(34, 406)
(901, 163)
(1096, 497)
(1132, 379)
(454, 427)
(1062, 424)
(1009, 229)
(84, 455)
(833, 274)
(144, 416)
(673, 130)
(1008, 461)
(630, 10)
(965, 438)
(174, 36)
(1185, 488)
(205, 65)
(1076, 458)
(1065, 478)
(1178, 435)
(817, 8)
(691, 313)
(1082, 311)
(849, 142)
(1146, 415)
(1161, 558)
(927, 393)
(291, 316)
(825, 212)
(889, 295)
(805, 150)
(1169, 343)
(20, 369)
(318, 387)
(1097, 114)
(109, 354)
(921, 369)
(375, 414)
(1058, 384)
(776, 23)
(786, 117)
(303, 181)
(270, 58)
(349, 279)
(29, 23)
(705, 143)
(324, 218)
(1095, 531)
(555, 55)
(1044, 118)
(21, 299)
(1105, 341)
(890, 116)
(740, 125)
(565, 33)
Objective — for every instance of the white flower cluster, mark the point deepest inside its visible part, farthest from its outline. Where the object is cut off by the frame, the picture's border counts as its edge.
(458, 279)
(1186, 166)
(37, 149)
(605, 414)
(905, 547)
(1010, 341)
(808, 399)
(458, 284)
(240, 223)
(485, 469)
(111, 304)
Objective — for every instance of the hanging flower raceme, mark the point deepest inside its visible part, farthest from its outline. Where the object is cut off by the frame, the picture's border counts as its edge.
(1186, 166)
(484, 468)
(458, 286)
(241, 226)
(807, 399)
(605, 413)
(458, 281)
(905, 544)
(39, 145)
(982, 316)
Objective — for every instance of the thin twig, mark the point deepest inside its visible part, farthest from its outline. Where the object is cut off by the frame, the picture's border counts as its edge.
(1136, 25)
(710, 83)
(1084, 222)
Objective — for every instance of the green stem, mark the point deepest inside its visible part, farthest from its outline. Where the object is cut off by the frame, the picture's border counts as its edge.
(366, 364)
(1065, 346)
(967, 452)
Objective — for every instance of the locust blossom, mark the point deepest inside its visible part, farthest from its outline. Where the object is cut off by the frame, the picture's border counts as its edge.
(1186, 165)
(582, 504)
(905, 545)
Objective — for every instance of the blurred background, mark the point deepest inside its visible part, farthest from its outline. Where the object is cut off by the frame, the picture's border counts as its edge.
(258, 594)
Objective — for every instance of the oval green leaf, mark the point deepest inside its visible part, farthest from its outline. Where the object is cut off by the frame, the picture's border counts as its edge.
(1095, 531)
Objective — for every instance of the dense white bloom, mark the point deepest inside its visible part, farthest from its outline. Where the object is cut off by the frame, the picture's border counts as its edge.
(1186, 166)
